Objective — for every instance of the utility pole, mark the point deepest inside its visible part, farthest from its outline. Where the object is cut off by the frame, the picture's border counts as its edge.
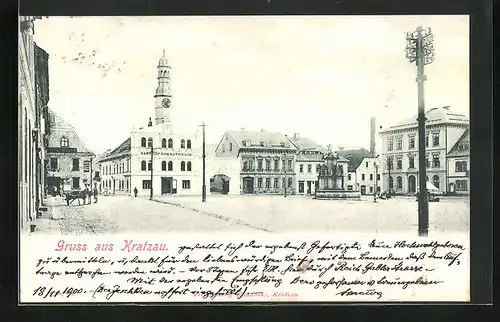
(91, 170)
(203, 186)
(420, 49)
(375, 191)
(284, 168)
(151, 190)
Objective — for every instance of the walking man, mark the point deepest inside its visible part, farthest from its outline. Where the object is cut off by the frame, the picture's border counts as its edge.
(135, 192)
(95, 193)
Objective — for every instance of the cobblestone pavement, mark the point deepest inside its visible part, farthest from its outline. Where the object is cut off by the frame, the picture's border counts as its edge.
(303, 214)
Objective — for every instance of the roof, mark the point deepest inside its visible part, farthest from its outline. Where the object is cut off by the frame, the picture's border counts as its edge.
(259, 139)
(355, 157)
(434, 115)
(210, 149)
(454, 152)
(303, 143)
(122, 149)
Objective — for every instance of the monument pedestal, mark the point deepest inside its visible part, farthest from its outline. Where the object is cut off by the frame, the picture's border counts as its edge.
(331, 181)
(337, 194)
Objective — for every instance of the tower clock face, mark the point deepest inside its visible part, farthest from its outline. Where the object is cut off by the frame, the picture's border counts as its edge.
(166, 102)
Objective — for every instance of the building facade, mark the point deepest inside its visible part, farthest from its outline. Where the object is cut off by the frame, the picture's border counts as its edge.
(400, 150)
(459, 166)
(266, 160)
(33, 98)
(161, 158)
(364, 172)
(68, 160)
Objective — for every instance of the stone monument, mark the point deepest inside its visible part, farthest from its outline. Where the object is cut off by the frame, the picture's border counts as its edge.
(331, 180)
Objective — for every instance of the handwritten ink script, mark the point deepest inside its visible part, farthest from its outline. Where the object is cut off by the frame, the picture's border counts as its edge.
(178, 270)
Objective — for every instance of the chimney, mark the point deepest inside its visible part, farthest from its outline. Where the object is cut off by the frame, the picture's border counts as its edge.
(150, 123)
(372, 135)
(295, 135)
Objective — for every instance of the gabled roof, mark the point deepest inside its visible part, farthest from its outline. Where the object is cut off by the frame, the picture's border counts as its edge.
(355, 157)
(434, 115)
(255, 139)
(303, 143)
(454, 152)
(121, 150)
(60, 123)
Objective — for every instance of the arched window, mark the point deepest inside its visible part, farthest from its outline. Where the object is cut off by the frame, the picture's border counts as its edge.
(183, 144)
(150, 142)
(150, 165)
(164, 166)
(435, 181)
(189, 166)
(170, 143)
(189, 144)
(399, 182)
(64, 142)
(143, 142)
(163, 143)
(170, 165)
(143, 165)
(183, 166)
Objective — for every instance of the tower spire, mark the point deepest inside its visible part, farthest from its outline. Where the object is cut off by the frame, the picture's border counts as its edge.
(163, 93)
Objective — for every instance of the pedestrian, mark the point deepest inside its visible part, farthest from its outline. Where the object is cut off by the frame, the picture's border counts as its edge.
(95, 194)
(135, 192)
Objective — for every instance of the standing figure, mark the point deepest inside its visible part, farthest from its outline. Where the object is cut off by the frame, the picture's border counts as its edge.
(95, 194)
(135, 192)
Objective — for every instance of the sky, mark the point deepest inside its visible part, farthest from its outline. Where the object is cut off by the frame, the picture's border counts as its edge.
(320, 76)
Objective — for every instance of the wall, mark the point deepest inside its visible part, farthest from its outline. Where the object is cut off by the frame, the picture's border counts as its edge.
(367, 171)
(454, 176)
(227, 148)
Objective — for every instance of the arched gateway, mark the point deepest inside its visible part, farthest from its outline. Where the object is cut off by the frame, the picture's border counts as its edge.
(219, 184)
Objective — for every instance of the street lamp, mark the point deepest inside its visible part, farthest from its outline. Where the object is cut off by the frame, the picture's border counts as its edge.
(420, 50)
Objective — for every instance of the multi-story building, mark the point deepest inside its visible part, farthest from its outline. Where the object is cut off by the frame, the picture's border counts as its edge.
(68, 160)
(32, 101)
(363, 172)
(96, 170)
(458, 165)
(162, 157)
(309, 156)
(266, 160)
(443, 128)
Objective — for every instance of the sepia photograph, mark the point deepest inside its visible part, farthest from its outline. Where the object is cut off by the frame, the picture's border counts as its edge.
(228, 140)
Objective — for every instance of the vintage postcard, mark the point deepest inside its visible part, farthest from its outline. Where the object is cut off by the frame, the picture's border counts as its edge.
(243, 159)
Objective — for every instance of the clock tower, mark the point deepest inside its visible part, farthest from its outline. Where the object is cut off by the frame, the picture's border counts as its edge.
(163, 94)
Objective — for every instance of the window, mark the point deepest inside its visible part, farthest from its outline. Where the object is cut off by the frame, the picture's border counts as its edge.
(461, 185)
(170, 165)
(371, 189)
(230, 147)
(245, 165)
(259, 164)
(366, 164)
(183, 144)
(170, 143)
(290, 165)
(399, 182)
(76, 164)
(268, 164)
(150, 165)
(259, 183)
(146, 184)
(390, 163)
(86, 166)
(276, 165)
(460, 166)
(391, 182)
(301, 186)
(183, 166)
(349, 187)
(301, 168)
(53, 164)
(64, 142)
(268, 182)
(399, 163)
(163, 143)
(411, 162)
(189, 144)
(143, 142)
(435, 139)
(150, 142)
(52, 118)
(399, 143)
(309, 168)
(164, 166)
(189, 166)
(349, 176)
(250, 164)
(427, 162)
(378, 176)
(389, 144)
(363, 176)
(186, 184)
(427, 139)
(435, 181)
(76, 183)
(143, 165)
(411, 142)
(435, 160)
(283, 166)
(276, 182)
(464, 146)
(371, 177)
(290, 182)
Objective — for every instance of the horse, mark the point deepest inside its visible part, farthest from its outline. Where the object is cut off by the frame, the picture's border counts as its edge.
(78, 194)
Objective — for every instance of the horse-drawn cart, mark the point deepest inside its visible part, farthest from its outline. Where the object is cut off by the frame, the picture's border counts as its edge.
(73, 195)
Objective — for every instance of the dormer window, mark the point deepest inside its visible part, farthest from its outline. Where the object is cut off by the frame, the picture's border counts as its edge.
(64, 142)
(244, 143)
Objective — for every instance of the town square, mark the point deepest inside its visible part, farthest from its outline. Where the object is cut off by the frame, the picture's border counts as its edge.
(247, 135)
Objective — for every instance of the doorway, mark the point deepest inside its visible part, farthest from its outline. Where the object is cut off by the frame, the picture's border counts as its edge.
(309, 187)
(363, 190)
(166, 185)
(412, 184)
(248, 184)
(219, 183)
